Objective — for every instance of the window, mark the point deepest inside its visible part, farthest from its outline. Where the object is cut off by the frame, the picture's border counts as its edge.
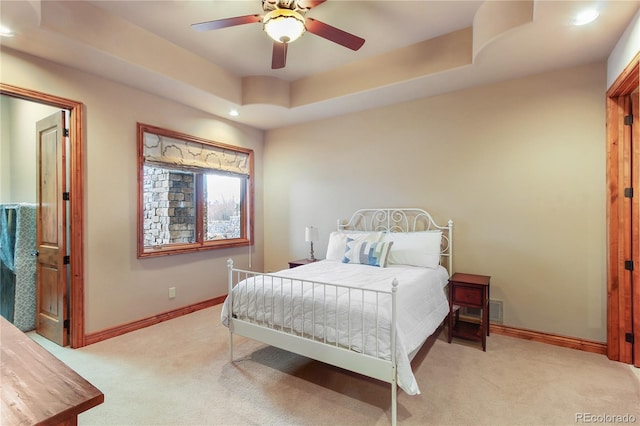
(195, 194)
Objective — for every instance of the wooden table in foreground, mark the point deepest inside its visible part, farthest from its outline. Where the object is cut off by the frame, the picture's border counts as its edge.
(38, 388)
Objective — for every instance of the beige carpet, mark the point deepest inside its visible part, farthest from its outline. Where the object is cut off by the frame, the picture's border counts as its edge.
(178, 373)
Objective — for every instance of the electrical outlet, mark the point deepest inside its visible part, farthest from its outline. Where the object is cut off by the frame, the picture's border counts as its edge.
(172, 292)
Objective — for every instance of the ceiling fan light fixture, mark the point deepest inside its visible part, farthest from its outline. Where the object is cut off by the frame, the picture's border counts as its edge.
(284, 25)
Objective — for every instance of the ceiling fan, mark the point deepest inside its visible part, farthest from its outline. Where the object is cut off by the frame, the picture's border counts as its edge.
(284, 21)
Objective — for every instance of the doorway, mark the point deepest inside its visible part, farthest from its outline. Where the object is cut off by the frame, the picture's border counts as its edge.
(75, 211)
(623, 216)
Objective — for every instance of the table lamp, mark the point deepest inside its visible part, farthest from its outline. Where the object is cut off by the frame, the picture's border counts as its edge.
(311, 235)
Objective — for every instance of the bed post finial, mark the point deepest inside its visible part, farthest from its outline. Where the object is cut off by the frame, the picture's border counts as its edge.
(230, 263)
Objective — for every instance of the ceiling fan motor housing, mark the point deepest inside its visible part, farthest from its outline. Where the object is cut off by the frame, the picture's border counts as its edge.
(269, 5)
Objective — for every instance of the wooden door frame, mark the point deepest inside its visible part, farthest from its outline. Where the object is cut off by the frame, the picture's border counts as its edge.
(76, 202)
(620, 235)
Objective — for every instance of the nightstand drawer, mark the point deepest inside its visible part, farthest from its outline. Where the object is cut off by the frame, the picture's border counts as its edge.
(466, 295)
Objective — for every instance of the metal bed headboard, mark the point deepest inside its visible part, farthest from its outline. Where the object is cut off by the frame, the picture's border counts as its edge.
(403, 220)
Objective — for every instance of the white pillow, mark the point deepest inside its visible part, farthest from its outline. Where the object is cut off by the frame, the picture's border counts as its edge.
(338, 242)
(415, 248)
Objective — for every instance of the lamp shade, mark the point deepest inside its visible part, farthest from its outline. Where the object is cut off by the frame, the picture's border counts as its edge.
(284, 25)
(311, 234)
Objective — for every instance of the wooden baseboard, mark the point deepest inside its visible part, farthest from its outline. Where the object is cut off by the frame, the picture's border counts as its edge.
(552, 339)
(146, 322)
(505, 330)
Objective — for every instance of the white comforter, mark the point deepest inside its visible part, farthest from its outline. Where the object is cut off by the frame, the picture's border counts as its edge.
(421, 307)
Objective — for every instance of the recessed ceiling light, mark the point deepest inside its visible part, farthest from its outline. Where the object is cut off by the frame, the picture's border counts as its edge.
(234, 113)
(586, 17)
(5, 32)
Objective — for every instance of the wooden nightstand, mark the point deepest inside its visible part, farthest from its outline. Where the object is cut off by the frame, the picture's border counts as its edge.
(472, 291)
(301, 262)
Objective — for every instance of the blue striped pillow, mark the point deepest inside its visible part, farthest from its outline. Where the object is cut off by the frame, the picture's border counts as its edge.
(367, 252)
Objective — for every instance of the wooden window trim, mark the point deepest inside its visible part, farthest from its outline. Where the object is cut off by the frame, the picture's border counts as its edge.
(246, 203)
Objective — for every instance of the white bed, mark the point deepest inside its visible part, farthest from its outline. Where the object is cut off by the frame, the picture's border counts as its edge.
(316, 310)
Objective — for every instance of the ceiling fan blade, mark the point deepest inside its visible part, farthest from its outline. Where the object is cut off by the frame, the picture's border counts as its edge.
(279, 57)
(308, 4)
(226, 22)
(334, 34)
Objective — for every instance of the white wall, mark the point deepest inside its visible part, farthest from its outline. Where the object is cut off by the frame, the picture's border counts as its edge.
(5, 150)
(119, 288)
(519, 166)
(625, 50)
(18, 141)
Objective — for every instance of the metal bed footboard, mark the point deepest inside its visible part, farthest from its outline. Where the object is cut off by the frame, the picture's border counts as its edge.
(266, 314)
